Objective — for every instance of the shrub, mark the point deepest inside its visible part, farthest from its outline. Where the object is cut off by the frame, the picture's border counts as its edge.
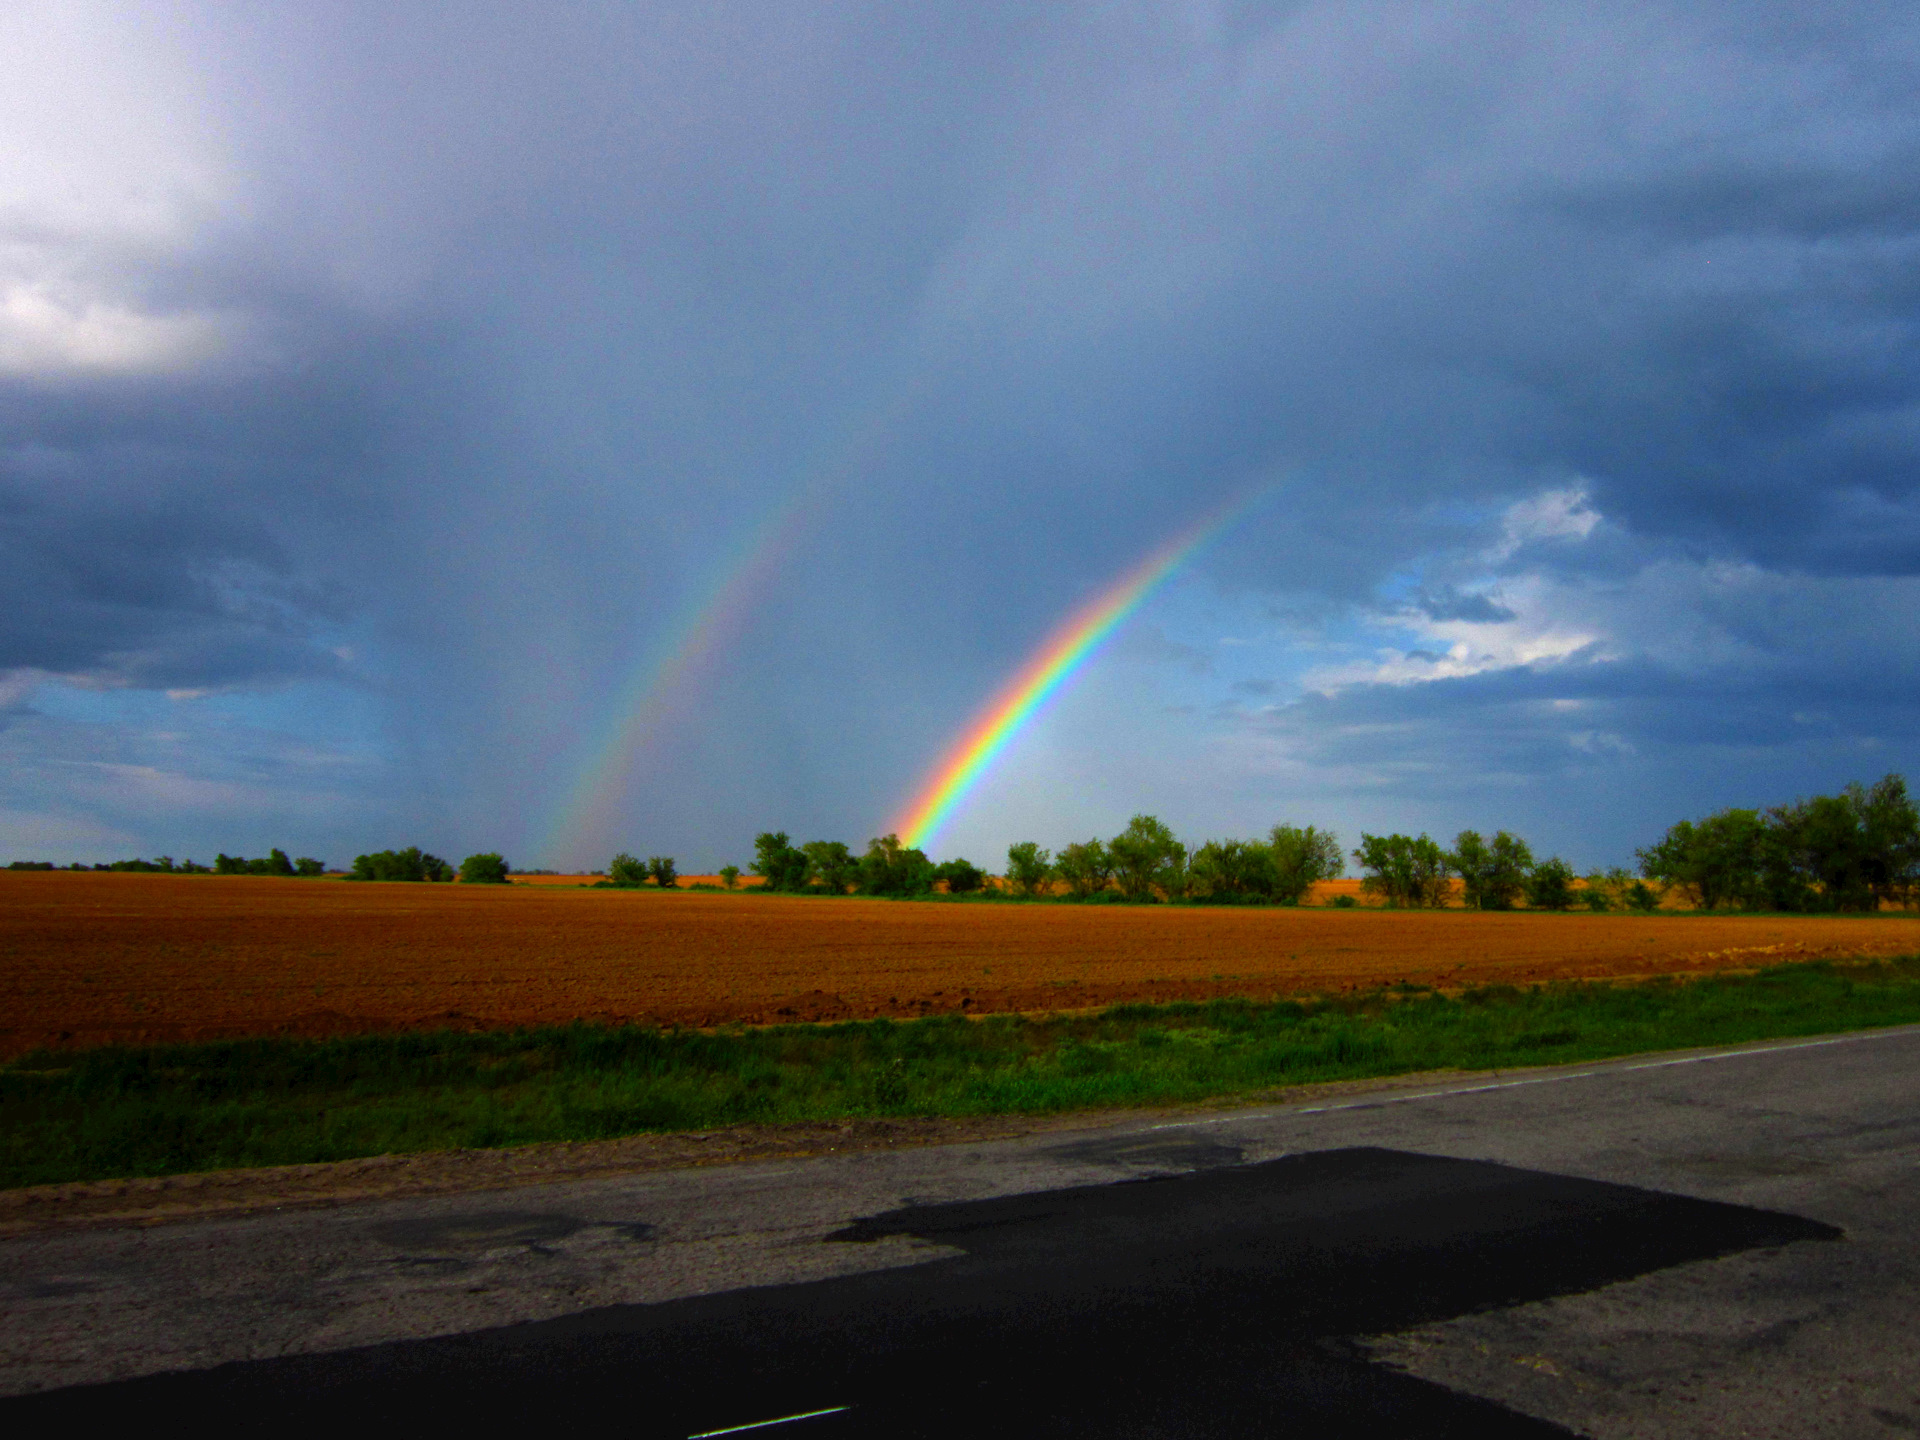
(1550, 886)
(484, 869)
(1643, 897)
(1029, 869)
(309, 867)
(1344, 902)
(962, 877)
(665, 875)
(626, 872)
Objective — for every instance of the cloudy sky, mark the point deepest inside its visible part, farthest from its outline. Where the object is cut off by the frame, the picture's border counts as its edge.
(566, 428)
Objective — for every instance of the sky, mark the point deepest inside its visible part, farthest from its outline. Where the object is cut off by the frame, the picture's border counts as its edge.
(592, 427)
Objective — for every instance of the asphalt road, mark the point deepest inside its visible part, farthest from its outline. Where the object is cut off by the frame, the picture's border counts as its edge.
(1712, 1245)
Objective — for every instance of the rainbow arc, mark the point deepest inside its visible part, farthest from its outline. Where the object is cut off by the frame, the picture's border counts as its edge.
(1041, 677)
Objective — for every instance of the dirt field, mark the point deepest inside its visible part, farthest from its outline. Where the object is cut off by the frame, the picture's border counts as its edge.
(94, 958)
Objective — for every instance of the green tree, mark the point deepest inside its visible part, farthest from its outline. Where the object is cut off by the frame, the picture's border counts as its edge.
(729, 875)
(1404, 869)
(1302, 856)
(1850, 851)
(626, 871)
(1144, 856)
(487, 868)
(412, 863)
(1230, 871)
(306, 865)
(1493, 874)
(1085, 867)
(891, 868)
(1029, 869)
(1713, 862)
(1597, 892)
(834, 865)
(663, 871)
(225, 864)
(961, 877)
(1550, 886)
(1642, 897)
(778, 862)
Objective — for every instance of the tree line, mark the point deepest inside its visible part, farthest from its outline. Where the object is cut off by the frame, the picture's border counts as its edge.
(1854, 851)
(1848, 852)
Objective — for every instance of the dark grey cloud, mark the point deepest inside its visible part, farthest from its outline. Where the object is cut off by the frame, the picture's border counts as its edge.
(543, 317)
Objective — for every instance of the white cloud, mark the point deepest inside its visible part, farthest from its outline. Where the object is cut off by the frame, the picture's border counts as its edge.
(1563, 514)
(110, 173)
(50, 330)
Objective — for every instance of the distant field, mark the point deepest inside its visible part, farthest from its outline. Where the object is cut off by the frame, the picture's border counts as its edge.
(90, 959)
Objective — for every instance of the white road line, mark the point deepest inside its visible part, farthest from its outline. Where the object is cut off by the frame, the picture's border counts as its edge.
(762, 1424)
(1375, 1101)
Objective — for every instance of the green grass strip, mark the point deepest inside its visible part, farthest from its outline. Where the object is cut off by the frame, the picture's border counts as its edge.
(169, 1109)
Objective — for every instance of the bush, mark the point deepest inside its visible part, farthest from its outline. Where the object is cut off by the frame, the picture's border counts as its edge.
(1550, 886)
(663, 871)
(625, 872)
(1029, 869)
(1643, 897)
(890, 868)
(1405, 869)
(484, 869)
(962, 877)
(1344, 902)
(309, 867)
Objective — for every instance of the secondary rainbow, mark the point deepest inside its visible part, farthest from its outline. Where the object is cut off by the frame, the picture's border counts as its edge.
(665, 687)
(1046, 670)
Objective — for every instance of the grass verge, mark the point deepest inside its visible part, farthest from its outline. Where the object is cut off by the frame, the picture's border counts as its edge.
(170, 1109)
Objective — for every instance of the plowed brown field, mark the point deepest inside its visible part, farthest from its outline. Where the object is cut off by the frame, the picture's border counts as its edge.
(94, 958)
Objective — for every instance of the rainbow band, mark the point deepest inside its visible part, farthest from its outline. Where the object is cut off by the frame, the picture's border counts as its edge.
(1065, 651)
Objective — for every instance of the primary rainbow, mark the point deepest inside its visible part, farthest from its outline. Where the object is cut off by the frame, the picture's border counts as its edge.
(1045, 671)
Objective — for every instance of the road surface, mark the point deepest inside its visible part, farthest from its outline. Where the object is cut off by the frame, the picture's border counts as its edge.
(1715, 1244)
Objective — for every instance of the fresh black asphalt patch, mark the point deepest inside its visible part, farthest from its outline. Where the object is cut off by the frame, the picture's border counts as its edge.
(1213, 1303)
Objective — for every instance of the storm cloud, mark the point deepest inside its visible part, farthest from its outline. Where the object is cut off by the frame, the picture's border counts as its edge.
(383, 393)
